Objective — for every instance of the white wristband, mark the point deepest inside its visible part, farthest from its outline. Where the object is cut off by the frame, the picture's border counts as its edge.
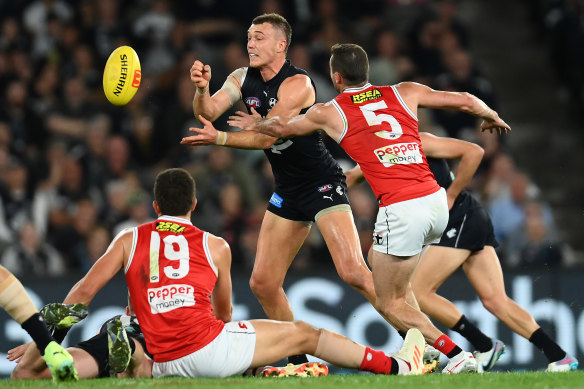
(221, 138)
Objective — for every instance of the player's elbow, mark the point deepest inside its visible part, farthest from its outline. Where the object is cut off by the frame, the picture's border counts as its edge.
(478, 151)
(467, 102)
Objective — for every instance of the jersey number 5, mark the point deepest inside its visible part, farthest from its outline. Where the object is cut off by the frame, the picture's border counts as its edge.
(374, 119)
(176, 248)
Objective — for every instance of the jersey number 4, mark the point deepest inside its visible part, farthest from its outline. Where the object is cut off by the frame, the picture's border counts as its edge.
(374, 119)
(176, 248)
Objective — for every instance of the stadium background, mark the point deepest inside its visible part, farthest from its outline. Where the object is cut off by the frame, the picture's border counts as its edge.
(74, 170)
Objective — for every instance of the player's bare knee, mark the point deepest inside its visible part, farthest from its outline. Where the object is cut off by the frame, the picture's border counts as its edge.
(493, 303)
(390, 307)
(353, 276)
(262, 287)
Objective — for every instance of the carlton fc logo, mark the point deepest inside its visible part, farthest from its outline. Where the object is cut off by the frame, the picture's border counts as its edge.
(253, 102)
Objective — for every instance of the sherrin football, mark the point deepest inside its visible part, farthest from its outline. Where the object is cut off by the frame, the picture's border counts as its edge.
(122, 75)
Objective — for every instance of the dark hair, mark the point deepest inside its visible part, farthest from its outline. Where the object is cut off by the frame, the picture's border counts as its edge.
(351, 62)
(174, 192)
(279, 22)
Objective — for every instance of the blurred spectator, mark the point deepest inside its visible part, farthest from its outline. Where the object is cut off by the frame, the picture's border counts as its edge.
(139, 205)
(508, 211)
(299, 55)
(69, 120)
(97, 242)
(27, 128)
(221, 170)
(71, 239)
(155, 27)
(460, 76)
(382, 65)
(533, 243)
(30, 255)
(39, 18)
(233, 221)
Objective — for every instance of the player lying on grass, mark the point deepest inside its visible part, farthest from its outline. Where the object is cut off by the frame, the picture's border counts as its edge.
(118, 349)
(17, 303)
(179, 282)
(469, 242)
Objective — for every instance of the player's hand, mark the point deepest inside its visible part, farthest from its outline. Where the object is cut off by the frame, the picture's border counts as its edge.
(200, 74)
(17, 352)
(203, 136)
(244, 121)
(495, 125)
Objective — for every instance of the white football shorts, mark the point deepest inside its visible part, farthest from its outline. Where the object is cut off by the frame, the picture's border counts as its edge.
(230, 353)
(403, 228)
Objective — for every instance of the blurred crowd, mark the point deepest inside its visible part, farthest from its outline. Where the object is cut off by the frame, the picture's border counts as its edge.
(560, 24)
(75, 170)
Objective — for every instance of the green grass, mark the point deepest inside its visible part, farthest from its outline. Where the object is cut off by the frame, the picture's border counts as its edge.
(531, 380)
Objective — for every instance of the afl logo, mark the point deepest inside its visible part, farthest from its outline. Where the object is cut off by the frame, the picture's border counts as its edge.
(253, 102)
(325, 188)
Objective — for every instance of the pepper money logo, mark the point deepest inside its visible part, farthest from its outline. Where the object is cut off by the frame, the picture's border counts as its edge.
(169, 297)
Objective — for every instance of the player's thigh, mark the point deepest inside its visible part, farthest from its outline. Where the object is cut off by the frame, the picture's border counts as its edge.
(391, 274)
(276, 340)
(85, 363)
(436, 265)
(278, 243)
(484, 272)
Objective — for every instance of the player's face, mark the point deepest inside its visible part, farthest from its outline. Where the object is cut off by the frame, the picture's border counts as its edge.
(264, 44)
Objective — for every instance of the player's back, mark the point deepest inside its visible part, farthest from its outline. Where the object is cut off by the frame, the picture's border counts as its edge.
(170, 276)
(381, 135)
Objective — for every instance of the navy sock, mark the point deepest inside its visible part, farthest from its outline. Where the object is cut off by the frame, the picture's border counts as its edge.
(480, 341)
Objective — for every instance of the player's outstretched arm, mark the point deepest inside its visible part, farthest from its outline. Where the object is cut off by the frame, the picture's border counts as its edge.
(470, 156)
(102, 270)
(209, 135)
(319, 117)
(421, 95)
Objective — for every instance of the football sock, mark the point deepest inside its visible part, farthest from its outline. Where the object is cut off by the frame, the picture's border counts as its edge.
(15, 300)
(446, 346)
(542, 341)
(480, 341)
(377, 362)
(37, 329)
(297, 359)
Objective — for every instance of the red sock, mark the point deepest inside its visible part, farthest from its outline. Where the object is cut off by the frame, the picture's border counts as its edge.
(444, 344)
(377, 362)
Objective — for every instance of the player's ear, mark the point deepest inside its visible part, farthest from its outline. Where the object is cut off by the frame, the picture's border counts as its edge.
(282, 45)
(194, 204)
(156, 208)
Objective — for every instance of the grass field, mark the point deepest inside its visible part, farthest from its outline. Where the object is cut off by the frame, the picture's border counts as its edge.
(531, 380)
